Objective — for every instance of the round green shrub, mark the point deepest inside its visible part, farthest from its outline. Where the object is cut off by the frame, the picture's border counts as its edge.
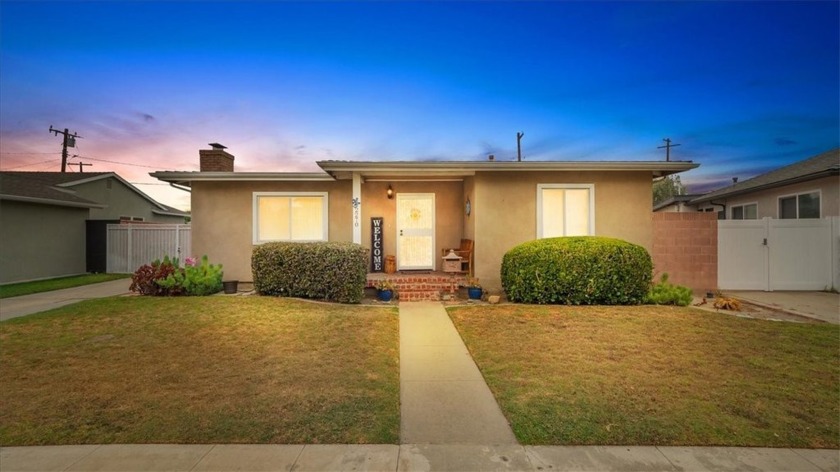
(580, 270)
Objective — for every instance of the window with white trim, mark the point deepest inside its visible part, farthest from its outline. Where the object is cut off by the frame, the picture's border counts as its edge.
(748, 211)
(803, 205)
(565, 210)
(290, 216)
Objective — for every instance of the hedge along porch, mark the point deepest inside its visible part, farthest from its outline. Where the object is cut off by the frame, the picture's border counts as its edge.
(509, 203)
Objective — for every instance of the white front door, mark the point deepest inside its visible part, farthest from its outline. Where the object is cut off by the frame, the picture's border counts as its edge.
(415, 231)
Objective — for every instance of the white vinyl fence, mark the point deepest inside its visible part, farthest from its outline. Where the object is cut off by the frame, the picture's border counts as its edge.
(130, 246)
(771, 254)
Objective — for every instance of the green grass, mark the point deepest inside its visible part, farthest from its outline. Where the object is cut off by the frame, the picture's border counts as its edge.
(200, 370)
(651, 375)
(38, 286)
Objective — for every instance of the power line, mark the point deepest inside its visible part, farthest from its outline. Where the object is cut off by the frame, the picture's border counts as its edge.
(115, 162)
(33, 164)
(26, 153)
(69, 141)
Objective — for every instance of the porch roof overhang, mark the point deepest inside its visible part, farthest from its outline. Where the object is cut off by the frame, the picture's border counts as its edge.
(344, 170)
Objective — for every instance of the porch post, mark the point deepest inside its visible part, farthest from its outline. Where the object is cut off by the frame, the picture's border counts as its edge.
(357, 208)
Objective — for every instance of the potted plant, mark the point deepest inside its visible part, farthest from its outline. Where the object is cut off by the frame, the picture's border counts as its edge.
(474, 289)
(385, 290)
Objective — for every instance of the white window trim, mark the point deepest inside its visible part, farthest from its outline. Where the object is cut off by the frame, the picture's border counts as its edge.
(255, 213)
(732, 209)
(797, 194)
(591, 188)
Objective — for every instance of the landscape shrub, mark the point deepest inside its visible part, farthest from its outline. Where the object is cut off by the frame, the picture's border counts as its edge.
(580, 270)
(168, 278)
(666, 293)
(333, 271)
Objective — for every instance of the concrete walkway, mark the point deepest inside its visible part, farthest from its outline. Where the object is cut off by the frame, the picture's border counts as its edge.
(443, 396)
(408, 457)
(38, 302)
(823, 306)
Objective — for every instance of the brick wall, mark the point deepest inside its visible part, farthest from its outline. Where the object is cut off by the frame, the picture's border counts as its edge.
(215, 160)
(685, 246)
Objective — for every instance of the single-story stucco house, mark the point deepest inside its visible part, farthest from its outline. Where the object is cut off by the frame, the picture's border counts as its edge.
(423, 206)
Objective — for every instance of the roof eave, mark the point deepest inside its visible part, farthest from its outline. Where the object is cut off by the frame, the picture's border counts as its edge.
(780, 183)
(185, 178)
(50, 201)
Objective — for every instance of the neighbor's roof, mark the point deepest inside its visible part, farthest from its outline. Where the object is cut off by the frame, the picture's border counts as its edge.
(676, 199)
(40, 187)
(821, 165)
(56, 188)
(341, 170)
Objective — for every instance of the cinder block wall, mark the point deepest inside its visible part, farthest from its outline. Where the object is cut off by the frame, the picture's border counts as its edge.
(685, 246)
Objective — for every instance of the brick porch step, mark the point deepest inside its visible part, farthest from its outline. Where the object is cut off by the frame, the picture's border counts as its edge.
(419, 287)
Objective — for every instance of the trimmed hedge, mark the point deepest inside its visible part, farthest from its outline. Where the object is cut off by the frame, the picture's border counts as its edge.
(324, 270)
(581, 270)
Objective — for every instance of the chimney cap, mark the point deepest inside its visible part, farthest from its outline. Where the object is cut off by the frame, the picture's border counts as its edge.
(217, 146)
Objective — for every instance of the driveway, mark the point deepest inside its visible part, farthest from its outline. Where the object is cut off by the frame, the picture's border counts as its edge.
(38, 302)
(823, 306)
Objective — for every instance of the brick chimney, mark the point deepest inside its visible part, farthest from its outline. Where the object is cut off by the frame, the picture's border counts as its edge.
(215, 160)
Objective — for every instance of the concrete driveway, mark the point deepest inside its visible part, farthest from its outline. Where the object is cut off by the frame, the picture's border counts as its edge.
(823, 306)
(38, 302)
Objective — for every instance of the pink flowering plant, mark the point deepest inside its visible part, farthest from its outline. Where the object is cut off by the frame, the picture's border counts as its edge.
(195, 278)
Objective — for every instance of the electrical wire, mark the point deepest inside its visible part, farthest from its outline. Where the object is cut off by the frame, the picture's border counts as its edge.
(33, 164)
(115, 162)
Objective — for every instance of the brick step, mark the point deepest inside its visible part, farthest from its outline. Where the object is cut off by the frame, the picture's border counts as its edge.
(418, 295)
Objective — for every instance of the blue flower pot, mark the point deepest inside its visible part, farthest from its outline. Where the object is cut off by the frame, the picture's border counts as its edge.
(474, 293)
(386, 295)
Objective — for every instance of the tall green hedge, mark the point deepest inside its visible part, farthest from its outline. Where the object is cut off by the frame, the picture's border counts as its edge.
(324, 270)
(585, 270)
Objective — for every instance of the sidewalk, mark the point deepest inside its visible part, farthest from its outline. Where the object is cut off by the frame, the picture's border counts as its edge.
(37, 302)
(410, 457)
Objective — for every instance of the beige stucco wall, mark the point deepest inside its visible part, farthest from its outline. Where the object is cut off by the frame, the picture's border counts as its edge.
(120, 201)
(449, 209)
(469, 220)
(40, 241)
(768, 200)
(505, 212)
(222, 219)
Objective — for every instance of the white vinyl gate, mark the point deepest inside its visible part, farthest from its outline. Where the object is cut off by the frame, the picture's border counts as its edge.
(130, 246)
(770, 254)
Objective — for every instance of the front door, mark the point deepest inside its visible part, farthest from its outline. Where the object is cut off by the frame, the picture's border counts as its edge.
(415, 231)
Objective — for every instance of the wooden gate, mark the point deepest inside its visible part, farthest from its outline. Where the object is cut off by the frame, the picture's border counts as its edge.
(130, 246)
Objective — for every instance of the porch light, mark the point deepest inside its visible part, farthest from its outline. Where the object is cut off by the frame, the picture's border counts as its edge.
(390, 192)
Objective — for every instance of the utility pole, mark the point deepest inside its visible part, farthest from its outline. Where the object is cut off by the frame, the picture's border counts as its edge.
(69, 141)
(80, 164)
(667, 147)
(519, 145)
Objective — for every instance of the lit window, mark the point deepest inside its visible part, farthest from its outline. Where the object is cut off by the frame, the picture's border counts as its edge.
(804, 205)
(290, 217)
(745, 212)
(565, 210)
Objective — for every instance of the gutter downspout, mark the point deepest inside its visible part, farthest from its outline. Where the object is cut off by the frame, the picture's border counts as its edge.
(722, 205)
(180, 187)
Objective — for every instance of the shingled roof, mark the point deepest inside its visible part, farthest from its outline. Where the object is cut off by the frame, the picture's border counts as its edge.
(821, 165)
(40, 187)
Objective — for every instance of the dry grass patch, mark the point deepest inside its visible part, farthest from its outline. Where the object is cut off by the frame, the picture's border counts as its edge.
(657, 375)
(200, 370)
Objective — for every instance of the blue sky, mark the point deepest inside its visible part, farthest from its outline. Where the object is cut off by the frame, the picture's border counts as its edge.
(744, 87)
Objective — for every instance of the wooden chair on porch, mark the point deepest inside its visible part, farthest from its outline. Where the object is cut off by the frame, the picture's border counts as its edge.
(465, 252)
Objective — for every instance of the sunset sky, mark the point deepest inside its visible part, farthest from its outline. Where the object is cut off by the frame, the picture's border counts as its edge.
(743, 87)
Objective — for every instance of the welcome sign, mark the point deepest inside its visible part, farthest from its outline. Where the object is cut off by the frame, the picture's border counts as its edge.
(377, 261)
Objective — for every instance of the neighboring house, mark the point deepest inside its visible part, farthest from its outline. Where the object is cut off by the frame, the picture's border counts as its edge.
(425, 206)
(805, 189)
(48, 218)
(677, 203)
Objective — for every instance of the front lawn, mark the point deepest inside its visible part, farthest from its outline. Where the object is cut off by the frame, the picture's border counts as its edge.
(651, 375)
(38, 286)
(200, 370)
